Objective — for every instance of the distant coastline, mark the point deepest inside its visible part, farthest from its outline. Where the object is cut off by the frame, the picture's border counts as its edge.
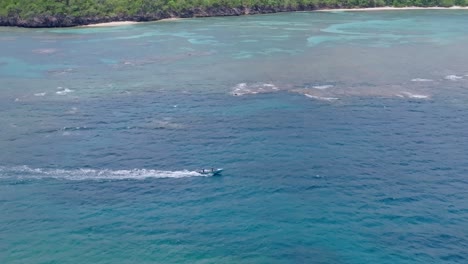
(391, 8)
(49, 21)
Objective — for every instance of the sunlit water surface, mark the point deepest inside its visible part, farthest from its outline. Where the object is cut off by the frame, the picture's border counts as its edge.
(343, 137)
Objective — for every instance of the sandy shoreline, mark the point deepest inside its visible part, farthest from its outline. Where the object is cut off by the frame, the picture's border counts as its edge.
(390, 8)
(126, 23)
(385, 8)
(112, 24)
(171, 19)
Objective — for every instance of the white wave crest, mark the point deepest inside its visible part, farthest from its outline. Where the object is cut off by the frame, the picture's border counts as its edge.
(64, 91)
(453, 77)
(321, 98)
(322, 87)
(25, 172)
(421, 80)
(244, 88)
(413, 96)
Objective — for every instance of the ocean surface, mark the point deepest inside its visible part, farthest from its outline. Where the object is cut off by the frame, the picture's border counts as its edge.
(343, 137)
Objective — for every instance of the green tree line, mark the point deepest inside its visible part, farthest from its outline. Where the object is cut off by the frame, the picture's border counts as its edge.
(111, 8)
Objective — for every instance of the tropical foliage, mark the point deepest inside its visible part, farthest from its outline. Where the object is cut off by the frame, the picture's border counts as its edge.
(110, 8)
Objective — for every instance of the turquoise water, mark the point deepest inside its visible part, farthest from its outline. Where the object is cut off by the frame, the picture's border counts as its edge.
(342, 135)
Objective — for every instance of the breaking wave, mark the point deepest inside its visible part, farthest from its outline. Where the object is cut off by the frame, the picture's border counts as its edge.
(421, 80)
(25, 172)
(63, 91)
(322, 87)
(322, 98)
(453, 77)
(413, 96)
(256, 88)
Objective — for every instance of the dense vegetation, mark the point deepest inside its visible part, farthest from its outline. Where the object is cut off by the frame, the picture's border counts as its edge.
(17, 11)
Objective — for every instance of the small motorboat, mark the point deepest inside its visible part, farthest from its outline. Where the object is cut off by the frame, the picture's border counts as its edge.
(210, 172)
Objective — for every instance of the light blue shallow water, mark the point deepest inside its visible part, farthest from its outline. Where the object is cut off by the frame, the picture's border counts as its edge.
(342, 135)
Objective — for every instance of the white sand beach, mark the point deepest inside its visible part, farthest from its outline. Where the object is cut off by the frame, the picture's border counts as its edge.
(126, 23)
(170, 19)
(112, 24)
(385, 8)
(390, 8)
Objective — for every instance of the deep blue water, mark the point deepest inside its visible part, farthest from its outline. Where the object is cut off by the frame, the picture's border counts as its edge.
(342, 135)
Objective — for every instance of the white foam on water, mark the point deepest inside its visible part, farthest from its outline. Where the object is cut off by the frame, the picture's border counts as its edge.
(413, 96)
(321, 98)
(244, 88)
(40, 94)
(419, 96)
(421, 80)
(64, 91)
(239, 89)
(322, 87)
(453, 77)
(25, 172)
